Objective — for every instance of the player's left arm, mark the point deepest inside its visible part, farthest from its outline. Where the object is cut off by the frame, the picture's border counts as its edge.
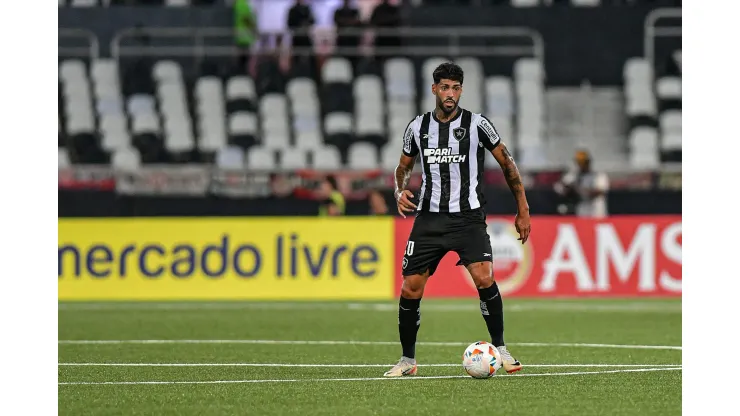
(488, 135)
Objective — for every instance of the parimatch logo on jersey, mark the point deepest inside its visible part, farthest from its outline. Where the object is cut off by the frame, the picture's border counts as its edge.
(444, 155)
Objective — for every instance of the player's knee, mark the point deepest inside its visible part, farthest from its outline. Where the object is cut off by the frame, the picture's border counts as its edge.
(482, 274)
(413, 287)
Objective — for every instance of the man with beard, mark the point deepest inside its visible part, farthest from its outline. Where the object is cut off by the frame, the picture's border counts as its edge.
(452, 143)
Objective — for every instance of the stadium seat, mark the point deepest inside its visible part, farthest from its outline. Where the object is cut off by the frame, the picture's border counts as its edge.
(71, 69)
(114, 131)
(326, 158)
(529, 69)
(242, 129)
(644, 160)
(261, 159)
(301, 87)
(642, 138)
(338, 129)
(292, 159)
(671, 141)
(403, 111)
(670, 122)
(230, 157)
(337, 70)
(178, 137)
(499, 96)
(64, 161)
(273, 106)
(212, 139)
(166, 72)
(668, 91)
(368, 88)
(240, 87)
(363, 156)
(390, 155)
(400, 83)
(638, 70)
(275, 139)
(146, 123)
(126, 159)
(309, 140)
(140, 104)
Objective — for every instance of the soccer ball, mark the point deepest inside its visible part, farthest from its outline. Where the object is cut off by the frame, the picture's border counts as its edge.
(481, 360)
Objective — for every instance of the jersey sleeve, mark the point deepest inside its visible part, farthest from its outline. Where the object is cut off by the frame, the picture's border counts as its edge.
(487, 134)
(409, 143)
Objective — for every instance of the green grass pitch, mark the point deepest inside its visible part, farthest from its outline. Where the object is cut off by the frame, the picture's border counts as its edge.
(581, 357)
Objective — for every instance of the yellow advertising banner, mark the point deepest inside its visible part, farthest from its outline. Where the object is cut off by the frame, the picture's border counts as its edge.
(226, 258)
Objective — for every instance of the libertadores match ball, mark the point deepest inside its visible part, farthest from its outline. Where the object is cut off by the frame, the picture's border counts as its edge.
(481, 360)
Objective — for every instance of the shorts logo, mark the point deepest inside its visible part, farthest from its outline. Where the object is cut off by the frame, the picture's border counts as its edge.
(459, 133)
(443, 155)
(405, 263)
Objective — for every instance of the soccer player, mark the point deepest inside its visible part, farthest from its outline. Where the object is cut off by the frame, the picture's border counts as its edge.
(452, 143)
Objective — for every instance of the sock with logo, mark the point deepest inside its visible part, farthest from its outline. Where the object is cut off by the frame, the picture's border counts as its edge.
(492, 309)
(409, 320)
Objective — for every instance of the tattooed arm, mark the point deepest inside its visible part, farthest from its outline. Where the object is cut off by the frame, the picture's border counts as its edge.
(404, 168)
(511, 173)
(514, 180)
(490, 139)
(402, 195)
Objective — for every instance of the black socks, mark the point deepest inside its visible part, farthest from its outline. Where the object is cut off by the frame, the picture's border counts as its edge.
(409, 320)
(492, 309)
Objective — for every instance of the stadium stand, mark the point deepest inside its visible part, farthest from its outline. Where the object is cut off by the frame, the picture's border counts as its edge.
(157, 110)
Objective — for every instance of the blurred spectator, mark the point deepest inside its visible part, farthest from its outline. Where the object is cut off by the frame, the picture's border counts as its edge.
(300, 22)
(245, 26)
(377, 203)
(386, 16)
(584, 189)
(332, 199)
(347, 17)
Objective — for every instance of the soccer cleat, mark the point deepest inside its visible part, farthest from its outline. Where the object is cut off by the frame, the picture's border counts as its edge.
(405, 367)
(509, 363)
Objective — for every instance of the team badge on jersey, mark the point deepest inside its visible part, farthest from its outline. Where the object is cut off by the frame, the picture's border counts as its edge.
(459, 133)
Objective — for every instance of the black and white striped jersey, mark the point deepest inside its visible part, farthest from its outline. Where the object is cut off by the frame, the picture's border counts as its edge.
(452, 156)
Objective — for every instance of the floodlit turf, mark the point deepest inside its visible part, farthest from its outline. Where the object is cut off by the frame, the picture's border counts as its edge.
(230, 358)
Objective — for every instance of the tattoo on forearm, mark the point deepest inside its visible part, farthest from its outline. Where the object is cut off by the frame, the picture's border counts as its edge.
(511, 173)
(403, 174)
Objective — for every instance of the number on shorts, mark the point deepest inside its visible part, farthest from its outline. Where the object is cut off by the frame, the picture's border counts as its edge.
(409, 248)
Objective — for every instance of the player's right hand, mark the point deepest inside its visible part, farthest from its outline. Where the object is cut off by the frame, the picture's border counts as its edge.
(403, 202)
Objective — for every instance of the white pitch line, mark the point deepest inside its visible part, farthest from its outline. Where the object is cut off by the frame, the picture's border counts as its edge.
(350, 342)
(574, 373)
(377, 307)
(340, 365)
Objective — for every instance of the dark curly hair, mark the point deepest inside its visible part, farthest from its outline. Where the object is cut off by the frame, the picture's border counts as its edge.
(448, 70)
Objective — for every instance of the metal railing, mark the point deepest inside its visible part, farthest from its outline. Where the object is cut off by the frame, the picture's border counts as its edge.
(90, 50)
(220, 41)
(652, 31)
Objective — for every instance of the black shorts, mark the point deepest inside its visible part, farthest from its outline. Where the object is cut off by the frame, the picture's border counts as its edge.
(435, 234)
